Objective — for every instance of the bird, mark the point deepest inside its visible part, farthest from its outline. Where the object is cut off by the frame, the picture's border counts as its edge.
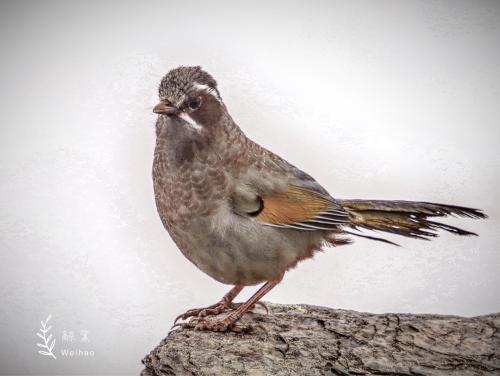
(244, 215)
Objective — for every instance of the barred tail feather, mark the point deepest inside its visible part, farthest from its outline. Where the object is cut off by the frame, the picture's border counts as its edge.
(406, 218)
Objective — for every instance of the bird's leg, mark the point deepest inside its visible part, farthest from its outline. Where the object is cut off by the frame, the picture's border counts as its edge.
(229, 322)
(214, 309)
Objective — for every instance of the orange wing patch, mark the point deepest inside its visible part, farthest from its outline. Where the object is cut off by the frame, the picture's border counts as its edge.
(297, 207)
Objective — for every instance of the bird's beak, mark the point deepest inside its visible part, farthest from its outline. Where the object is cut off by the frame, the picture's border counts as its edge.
(165, 109)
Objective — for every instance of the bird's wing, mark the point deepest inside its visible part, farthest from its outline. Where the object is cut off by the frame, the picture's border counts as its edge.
(293, 207)
(301, 208)
(282, 195)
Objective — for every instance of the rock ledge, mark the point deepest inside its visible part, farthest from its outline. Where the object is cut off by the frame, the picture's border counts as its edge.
(309, 340)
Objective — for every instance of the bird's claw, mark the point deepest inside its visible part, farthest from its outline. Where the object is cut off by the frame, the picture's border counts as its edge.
(197, 321)
(203, 312)
(187, 314)
(176, 325)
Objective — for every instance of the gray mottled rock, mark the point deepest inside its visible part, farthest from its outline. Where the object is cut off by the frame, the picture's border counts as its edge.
(309, 340)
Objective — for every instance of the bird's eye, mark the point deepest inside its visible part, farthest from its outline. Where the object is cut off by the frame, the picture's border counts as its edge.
(194, 103)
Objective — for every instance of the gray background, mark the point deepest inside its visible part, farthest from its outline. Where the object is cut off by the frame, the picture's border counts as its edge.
(390, 100)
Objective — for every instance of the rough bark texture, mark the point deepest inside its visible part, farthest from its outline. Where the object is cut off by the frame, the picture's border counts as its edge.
(308, 340)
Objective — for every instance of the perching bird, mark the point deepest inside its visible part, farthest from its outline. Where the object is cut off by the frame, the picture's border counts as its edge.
(242, 214)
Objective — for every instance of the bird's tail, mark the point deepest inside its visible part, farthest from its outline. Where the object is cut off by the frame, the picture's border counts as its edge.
(406, 218)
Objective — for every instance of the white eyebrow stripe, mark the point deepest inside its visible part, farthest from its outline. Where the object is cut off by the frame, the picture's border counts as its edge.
(208, 89)
(201, 86)
(188, 119)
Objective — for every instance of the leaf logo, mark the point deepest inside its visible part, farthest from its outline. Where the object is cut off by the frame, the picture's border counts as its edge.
(48, 343)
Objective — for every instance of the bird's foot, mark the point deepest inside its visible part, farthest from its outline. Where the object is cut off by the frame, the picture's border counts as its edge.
(211, 310)
(224, 325)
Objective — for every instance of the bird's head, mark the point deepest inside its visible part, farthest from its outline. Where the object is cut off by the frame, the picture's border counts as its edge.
(190, 94)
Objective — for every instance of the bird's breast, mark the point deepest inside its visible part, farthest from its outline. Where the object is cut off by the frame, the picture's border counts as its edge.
(190, 189)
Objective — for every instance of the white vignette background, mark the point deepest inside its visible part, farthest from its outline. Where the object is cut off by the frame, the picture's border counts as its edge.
(390, 99)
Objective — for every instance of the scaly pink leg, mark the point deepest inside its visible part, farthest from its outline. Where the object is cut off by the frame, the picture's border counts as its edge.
(225, 303)
(229, 322)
